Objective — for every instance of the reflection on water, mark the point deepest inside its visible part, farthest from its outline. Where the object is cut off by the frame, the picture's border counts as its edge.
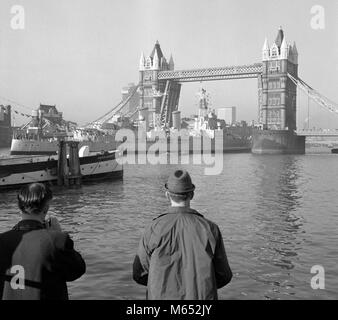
(279, 229)
(277, 215)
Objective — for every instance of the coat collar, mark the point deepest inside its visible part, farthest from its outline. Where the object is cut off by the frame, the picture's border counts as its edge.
(177, 210)
(28, 225)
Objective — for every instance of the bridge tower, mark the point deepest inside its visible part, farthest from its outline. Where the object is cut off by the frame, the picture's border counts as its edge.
(154, 93)
(5, 126)
(277, 100)
(278, 94)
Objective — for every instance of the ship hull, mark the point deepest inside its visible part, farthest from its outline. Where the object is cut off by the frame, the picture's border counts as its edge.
(15, 172)
(5, 136)
(35, 147)
(277, 142)
(222, 142)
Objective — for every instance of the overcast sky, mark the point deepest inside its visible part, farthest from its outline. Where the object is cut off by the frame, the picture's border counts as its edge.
(78, 54)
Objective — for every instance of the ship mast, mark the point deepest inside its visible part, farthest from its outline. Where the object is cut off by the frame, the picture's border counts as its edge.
(203, 106)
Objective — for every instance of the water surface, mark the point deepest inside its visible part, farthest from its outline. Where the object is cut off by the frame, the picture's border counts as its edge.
(278, 216)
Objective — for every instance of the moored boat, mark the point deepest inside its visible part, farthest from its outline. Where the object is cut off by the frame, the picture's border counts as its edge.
(15, 172)
(33, 147)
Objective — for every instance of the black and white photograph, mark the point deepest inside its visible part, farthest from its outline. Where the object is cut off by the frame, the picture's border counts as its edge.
(182, 150)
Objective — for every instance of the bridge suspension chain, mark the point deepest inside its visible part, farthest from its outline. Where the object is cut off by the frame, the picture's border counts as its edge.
(116, 109)
(323, 101)
(132, 113)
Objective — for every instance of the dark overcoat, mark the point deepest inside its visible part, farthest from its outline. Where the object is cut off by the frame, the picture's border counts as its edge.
(36, 263)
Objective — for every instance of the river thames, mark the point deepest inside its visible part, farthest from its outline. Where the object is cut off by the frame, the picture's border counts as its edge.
(278, 216)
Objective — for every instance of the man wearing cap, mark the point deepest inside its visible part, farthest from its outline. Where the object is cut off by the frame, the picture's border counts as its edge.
(181, 254)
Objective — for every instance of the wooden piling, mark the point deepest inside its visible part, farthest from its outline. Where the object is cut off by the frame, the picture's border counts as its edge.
(74, 163)
(62, 164)
(69, 171)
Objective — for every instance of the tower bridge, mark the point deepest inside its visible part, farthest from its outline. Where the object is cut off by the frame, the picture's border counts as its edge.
(160, 84)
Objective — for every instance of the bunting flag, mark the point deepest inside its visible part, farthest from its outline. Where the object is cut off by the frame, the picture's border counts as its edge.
(15, 111)
(5, 110)
(17, 104)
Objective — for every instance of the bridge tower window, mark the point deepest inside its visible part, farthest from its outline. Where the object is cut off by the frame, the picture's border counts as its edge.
(274, 99)
(148, 63)
(274, 84)
(274, 51)
(274, 66)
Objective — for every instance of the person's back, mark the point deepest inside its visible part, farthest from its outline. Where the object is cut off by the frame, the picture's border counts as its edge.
(37, 260)
(181, 256)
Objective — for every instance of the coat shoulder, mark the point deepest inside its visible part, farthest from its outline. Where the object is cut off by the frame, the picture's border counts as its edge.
(61, 240)
(213, 227)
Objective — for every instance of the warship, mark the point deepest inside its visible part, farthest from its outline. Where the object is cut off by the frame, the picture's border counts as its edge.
(41, 134)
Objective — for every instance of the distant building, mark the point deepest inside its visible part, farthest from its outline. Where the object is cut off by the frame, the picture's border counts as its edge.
(228, 114)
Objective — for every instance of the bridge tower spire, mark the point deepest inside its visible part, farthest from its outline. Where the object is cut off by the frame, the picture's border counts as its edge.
(278, 94)
(142, 62)
(265, 50)
(153, 93)
(171, 63)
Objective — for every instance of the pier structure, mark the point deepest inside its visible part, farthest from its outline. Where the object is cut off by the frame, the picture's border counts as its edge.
(68, 169)
(160, 84)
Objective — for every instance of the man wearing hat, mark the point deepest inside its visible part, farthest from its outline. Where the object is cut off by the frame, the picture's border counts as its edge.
(37, 258)
(181, 254)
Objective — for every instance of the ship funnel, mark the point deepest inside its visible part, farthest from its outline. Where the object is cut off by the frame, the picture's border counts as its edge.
(177, 120)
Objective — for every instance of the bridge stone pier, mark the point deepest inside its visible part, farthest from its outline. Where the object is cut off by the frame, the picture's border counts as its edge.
(160, 86)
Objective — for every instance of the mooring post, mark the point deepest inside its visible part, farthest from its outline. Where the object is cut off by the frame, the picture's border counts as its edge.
(62, 164)
(74, 163)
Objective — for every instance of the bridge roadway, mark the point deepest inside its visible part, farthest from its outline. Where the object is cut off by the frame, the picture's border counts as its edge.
(215, 73)
(318, 133)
